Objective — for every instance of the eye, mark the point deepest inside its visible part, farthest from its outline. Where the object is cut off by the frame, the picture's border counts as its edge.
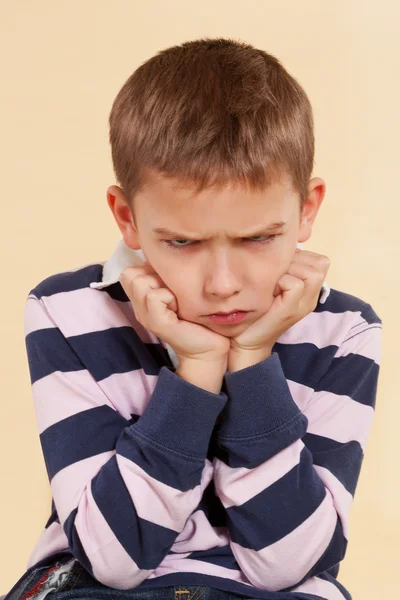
(268, 239)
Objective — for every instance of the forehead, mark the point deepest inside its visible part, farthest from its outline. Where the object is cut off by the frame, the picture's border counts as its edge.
(173, 196)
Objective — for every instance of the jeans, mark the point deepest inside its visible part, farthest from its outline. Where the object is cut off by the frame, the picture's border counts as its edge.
(67, 579)
(62, 577)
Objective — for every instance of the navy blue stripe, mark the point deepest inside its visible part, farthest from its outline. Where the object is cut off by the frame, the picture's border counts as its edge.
(221, 557)
(250, 452)
(146, 543)
(85, 434)
(69, 281)
(74, 541)
(212, 506)
(48, 352)
(162, 464)
(279, 509)
(117, 350)
(341, 302)
(369, 315)
(353, 375)
(101, 429)
(103, 353)
(304, 363)
(342, 459)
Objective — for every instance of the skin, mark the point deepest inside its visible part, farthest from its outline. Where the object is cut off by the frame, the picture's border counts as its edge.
(221, 273)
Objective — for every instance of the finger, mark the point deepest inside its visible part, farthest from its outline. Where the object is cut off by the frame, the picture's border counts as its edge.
(319, 261)
(312, 280)
(159, 316)
(137, 286)
(131, 272)
(292, 288)
(308, 273)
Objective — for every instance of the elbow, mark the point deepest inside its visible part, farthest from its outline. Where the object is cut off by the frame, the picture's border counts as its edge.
(276, 570)
(110, 564)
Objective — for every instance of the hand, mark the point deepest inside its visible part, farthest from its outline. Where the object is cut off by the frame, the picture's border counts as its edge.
(296, 295)
(156, 309)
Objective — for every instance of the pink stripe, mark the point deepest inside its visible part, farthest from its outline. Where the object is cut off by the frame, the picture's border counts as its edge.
(160, 503)
(318, 327)
(339, 418)
(111, 564)
(35, 317)
(52, 539)
(71, 483)
(341, 498)
(365, 340)
(236, 486)
(153, 500)
(179, 564)
(301, 393)
(281, 564)
(61, 395)
(131, 391)
(78, 312)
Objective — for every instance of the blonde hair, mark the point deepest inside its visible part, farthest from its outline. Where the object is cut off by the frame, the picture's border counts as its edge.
(210, 112)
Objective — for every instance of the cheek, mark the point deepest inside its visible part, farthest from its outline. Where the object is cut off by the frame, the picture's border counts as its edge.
(180, 287)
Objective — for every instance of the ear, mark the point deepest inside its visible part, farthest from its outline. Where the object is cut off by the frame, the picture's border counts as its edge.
(122, 214)
(311, 207)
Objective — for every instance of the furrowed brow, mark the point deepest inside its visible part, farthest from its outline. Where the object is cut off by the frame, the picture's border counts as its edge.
(169, 234)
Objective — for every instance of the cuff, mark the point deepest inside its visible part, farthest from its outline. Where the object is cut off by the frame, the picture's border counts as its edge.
(259, 401)
(180, 416)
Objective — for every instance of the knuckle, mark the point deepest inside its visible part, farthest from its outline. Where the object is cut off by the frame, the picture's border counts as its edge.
(152, 294)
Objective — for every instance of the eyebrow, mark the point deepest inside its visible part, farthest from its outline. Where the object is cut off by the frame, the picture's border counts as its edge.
(168, 233)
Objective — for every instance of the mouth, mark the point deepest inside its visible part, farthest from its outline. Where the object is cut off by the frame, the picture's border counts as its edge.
(228, 318)
(225, 314)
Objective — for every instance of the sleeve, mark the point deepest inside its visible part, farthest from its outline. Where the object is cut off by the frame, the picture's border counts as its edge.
(287, 477)
(123, 491)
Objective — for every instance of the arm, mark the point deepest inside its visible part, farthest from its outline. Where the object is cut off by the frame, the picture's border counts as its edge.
(287, 477)
(123, 491)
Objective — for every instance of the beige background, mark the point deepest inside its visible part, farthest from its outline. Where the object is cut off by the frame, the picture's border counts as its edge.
(62, 65)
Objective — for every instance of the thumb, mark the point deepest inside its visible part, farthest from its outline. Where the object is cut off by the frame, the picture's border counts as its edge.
(173, 305)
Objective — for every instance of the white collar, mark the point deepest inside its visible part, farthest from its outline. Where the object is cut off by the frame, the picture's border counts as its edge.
(123, 257)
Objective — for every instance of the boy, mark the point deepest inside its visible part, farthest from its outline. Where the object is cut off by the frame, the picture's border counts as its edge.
(191, 455)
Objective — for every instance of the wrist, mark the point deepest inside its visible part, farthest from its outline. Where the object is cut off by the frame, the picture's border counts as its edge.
(203, 374)
(242, 359)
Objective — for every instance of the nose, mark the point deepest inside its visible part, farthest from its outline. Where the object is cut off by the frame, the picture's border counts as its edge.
(222, 280)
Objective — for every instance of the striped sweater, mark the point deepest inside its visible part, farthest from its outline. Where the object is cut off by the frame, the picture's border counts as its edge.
(157, 482)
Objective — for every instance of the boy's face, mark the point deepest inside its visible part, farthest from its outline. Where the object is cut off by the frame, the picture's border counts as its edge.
(224, 271)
